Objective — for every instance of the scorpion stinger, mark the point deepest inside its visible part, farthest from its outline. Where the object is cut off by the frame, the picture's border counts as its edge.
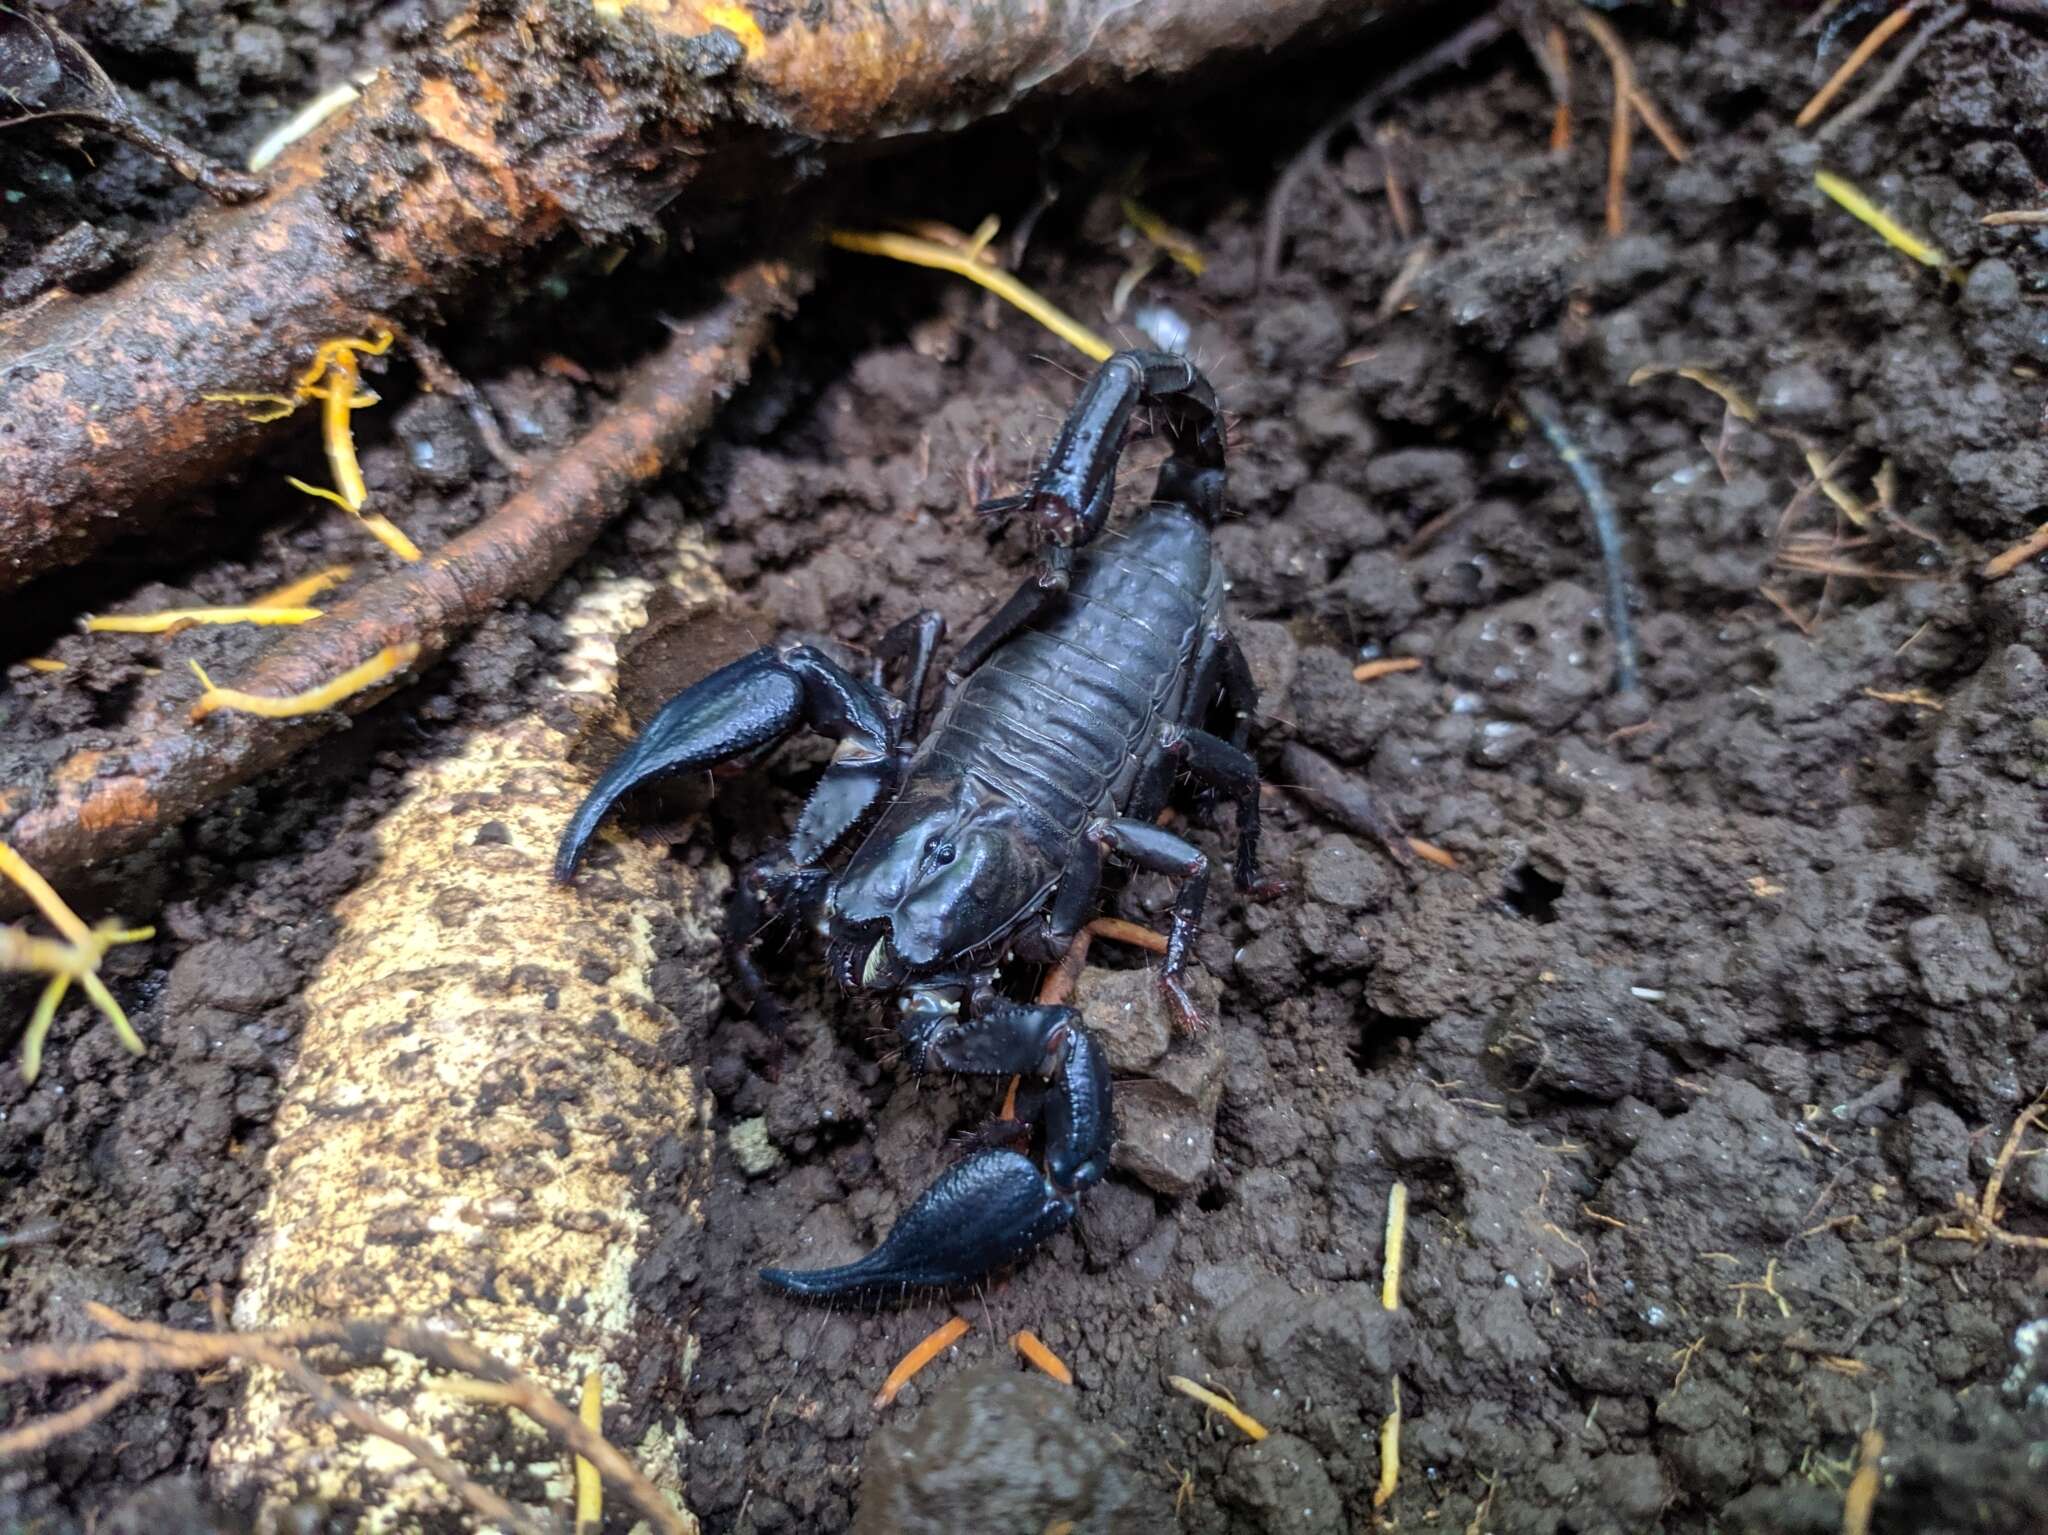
(1066, 723)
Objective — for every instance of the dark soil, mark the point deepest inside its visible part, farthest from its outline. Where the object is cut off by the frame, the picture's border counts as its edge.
(1737, 982)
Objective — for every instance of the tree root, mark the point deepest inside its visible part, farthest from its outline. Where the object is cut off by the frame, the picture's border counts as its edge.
(533, 120)
(138, 1348)
(98, 803)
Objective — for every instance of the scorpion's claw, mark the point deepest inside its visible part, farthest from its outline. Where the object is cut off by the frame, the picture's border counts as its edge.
(985, 1212)
(740, 708)
(996, 1206)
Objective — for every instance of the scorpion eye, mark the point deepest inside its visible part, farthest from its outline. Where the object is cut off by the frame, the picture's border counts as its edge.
(940, 853)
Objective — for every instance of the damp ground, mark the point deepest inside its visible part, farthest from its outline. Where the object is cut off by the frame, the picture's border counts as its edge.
(1731, 984)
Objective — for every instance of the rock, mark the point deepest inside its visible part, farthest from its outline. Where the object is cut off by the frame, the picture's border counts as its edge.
(1540, 658)
(1957, 960)
(1937, 1153)
(1281, 1483)
(999, 1451)
(752, 1148)
(1338, 872)
(240, 978)
(1125, 1012)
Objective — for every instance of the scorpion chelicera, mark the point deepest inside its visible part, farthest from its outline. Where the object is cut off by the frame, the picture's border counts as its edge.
(1064, 725)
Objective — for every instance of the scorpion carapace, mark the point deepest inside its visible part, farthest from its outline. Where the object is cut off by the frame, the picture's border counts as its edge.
(1064, 726)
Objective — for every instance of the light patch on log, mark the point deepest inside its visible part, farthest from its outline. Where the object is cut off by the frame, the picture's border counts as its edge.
(469, 1134)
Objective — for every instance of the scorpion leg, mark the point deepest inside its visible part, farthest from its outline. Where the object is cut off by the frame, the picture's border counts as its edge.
(1155, 848)
(993, 1207)
(915, 640)
(1217, 764)
(750, 704)
(1240, 693)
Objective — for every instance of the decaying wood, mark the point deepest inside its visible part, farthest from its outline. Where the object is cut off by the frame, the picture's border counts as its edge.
(527, 122)
(489, 1117)
(102, 801)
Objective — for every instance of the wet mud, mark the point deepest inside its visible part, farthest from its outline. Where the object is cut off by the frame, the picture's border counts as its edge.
(1732, 984)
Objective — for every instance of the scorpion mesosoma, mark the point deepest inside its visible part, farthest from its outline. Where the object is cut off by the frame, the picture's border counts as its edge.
(1064, 724)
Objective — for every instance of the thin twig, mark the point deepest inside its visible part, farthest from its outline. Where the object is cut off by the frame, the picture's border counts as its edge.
(1894, 72)
(1307, 161)
(1606, 530)
(138, 1347)
(94, 804)
(1875, 39)
(2001, 565)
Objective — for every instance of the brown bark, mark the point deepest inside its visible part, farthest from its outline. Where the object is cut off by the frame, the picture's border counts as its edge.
(97, 803)
(535, 120)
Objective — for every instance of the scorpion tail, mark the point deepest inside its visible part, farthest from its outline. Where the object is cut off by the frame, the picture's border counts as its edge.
(982, 1214)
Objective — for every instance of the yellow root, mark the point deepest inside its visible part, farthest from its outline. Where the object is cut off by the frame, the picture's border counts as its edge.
(1251, 1427)
(928, 253)
(1179, 246)
(1893, 232)
(179, 618)
(589, 1485)
(334, 377)
(1862, 1495)
(1390, 1453)
(302, 591)
(383, 664)
(1397, 1246)
(76, 958)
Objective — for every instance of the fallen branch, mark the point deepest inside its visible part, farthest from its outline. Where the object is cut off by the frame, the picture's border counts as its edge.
(442, 1151)
(528, 122)
(139, 1348)
(97, 803)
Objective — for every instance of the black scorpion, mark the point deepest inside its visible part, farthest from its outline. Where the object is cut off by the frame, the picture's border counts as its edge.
(1065, 723)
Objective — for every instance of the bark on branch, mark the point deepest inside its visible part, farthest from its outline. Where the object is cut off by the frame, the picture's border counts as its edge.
(97, 803)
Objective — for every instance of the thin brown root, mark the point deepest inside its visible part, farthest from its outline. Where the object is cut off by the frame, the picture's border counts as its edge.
(1629, 100)
(1981, 1220)
(1875, 39)
(1894, 73)
(1307, 163)
(2001, 565)
(136, 1348)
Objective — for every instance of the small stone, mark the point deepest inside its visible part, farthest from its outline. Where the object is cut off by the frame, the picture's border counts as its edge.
(1799, 393)
(1166, 1124)
(1992, 287)
(1124, 1010)
(243, 978)
(752, 1149)
(1281, 1483)
(1338, 872)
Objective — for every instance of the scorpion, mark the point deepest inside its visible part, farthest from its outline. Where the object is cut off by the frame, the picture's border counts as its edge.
(1064, 724)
